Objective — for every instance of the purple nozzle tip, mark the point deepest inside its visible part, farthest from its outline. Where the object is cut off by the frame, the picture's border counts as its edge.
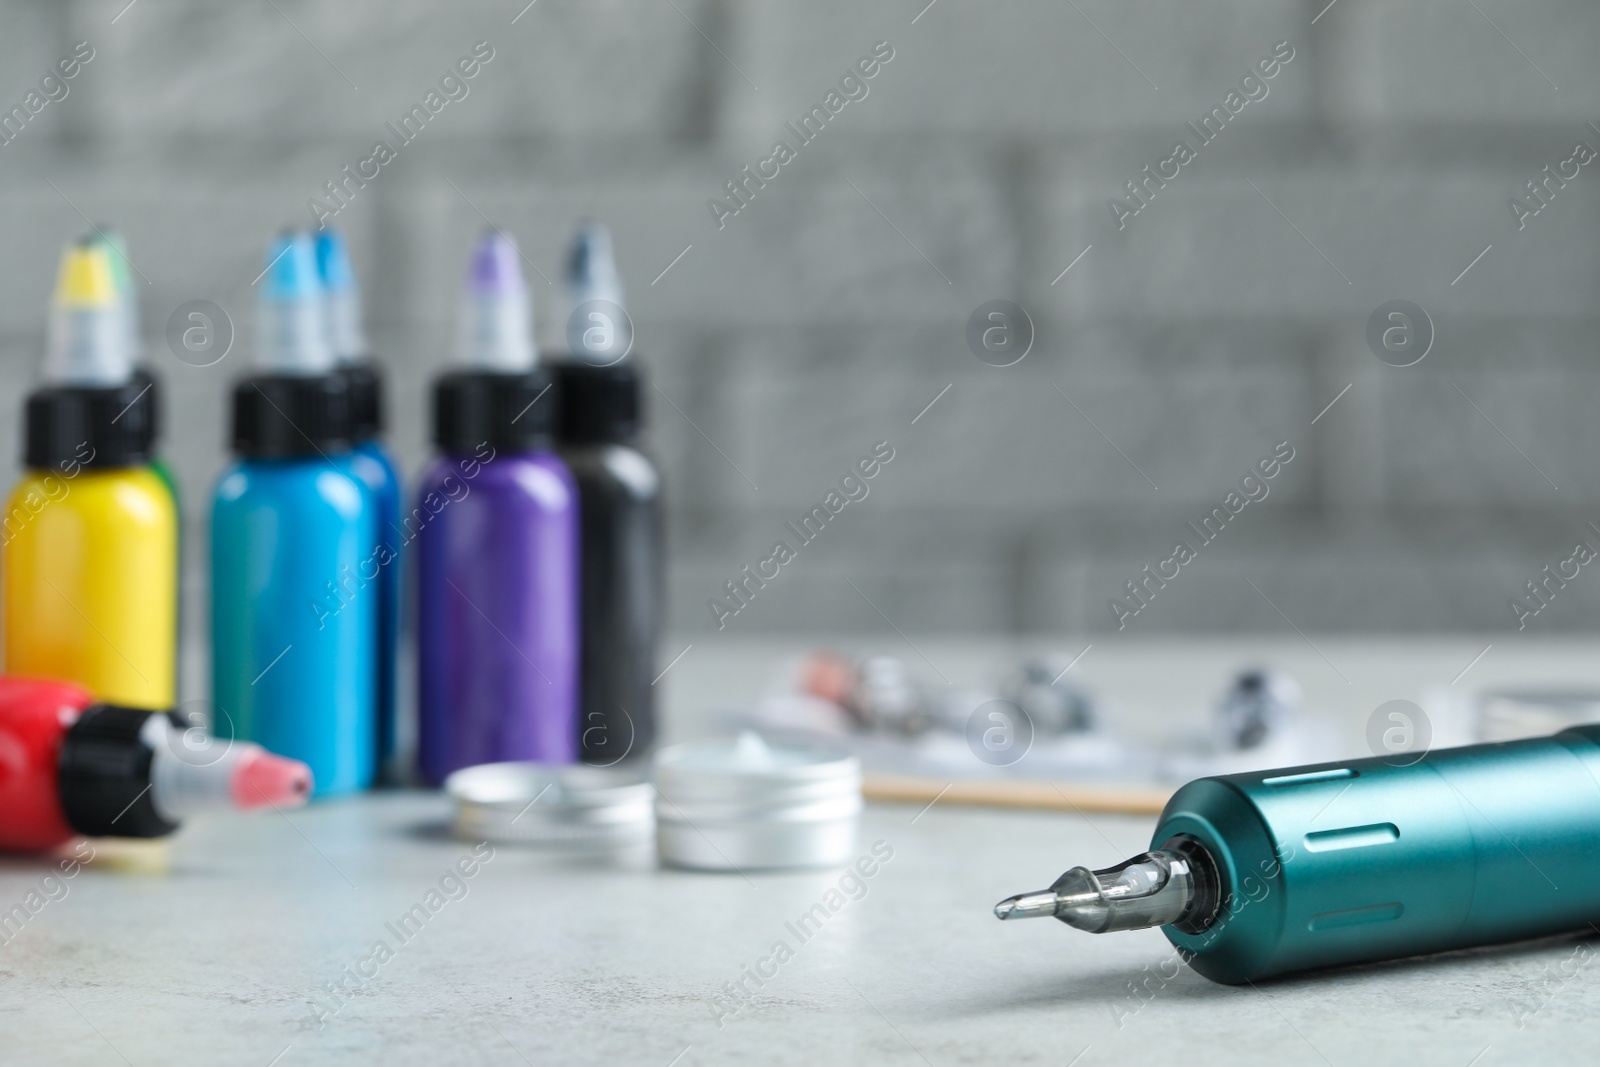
(496, 266)
(292, 268)
(333, 262)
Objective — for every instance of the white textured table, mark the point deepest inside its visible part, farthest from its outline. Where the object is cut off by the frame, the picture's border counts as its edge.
(221, 957)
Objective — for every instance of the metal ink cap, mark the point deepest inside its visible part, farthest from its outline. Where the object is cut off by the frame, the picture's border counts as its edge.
(748, 804)
(567, 806)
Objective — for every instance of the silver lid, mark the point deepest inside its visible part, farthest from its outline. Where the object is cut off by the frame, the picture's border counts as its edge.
(533, 803)
(744, 803)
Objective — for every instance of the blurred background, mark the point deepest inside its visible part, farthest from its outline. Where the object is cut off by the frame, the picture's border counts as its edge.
(833, 309)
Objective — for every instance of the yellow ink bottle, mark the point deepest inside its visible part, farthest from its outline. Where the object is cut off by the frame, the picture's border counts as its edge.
(88, 541)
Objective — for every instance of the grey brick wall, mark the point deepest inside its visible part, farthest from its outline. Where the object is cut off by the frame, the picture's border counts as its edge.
(828, 313)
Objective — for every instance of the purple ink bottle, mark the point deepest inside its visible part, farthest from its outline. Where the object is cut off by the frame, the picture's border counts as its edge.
(496, 533)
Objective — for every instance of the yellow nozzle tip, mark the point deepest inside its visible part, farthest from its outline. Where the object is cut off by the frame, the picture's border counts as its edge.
(86, 278)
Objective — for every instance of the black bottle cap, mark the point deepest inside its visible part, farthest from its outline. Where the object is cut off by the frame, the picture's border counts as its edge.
(281, 415)
(514, 412)
(150, 387)
(599, 404)
(103, 775)
(365, 383)
(112, 426)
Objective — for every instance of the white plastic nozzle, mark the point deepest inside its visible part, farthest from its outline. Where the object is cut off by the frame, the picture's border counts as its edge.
(292, 316)
(496, 312)
(88, 337)
(598, 324)
(343, 299)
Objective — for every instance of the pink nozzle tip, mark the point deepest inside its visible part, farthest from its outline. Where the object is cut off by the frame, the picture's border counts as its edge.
(261, 779)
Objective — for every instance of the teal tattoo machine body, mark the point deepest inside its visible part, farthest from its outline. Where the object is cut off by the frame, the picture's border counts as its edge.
(1253, 875)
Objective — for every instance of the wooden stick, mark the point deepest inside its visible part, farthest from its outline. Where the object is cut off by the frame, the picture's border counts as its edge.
(1041, 796)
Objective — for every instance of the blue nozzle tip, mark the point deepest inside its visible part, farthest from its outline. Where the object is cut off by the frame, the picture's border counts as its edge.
(495, 264)
(292, 268)
(333, 262)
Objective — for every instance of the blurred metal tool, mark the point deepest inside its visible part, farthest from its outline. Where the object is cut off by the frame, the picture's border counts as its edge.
(1258, 707)
(878, 692)
(1055, 705)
